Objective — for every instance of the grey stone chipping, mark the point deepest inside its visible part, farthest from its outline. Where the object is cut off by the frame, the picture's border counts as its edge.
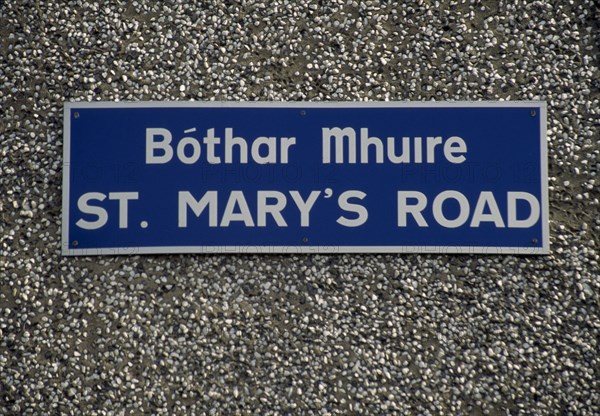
(297, 334)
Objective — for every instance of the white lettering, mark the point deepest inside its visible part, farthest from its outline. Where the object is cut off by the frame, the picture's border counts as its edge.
(209, 199)
(286, 143)
(231, 141)
(305, 206)
(534, 206)
(196, 150)
(438, 213)
(210, 141)
(365, 142)
(123, 198)
(418, 150)
(344, 204)
(422, 149)
(152, 145)
(454, 145)
(432, 142)
(486, 209)
(487, 199)
(404, 156)
(237, 199)
(415, 210)
(271, 145)
(263, 208)
(339, 135)
(99, 212)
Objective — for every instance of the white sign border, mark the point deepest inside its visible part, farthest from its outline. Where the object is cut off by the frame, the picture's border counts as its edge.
(66, 250)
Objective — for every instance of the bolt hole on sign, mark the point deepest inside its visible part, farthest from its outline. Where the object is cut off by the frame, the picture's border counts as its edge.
(305, 177)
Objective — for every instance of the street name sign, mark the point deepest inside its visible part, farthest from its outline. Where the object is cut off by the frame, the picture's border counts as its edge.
(305, 177)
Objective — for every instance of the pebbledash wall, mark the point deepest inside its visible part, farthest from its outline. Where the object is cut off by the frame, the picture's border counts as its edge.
(217, 333)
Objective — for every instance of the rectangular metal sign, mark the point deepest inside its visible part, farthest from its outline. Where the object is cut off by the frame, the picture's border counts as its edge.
(331, 177)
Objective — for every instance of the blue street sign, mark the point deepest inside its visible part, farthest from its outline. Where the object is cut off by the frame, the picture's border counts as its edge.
(218, 177)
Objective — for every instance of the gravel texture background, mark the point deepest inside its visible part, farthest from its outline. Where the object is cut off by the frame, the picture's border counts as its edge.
(339, 334)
